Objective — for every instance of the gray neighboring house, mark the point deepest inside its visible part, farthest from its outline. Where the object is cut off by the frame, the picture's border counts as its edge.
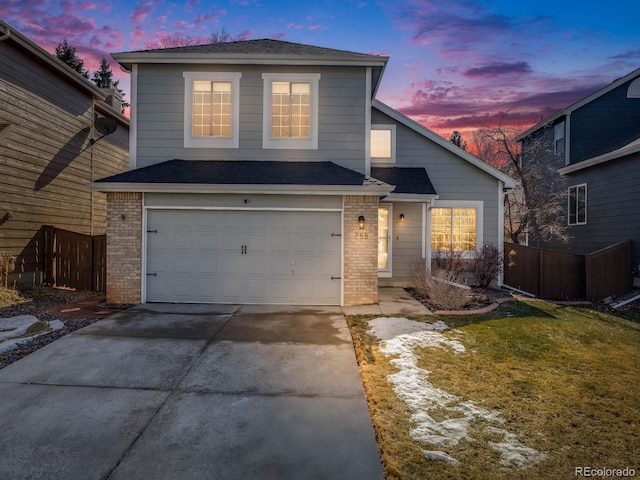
(265, 171)
(595, 143)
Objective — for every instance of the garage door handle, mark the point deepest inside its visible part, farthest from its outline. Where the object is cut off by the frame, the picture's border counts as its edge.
(152, 274)
(336, 278)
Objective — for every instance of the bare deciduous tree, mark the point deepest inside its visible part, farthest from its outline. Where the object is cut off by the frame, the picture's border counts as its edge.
(166, 40)
(535, 207)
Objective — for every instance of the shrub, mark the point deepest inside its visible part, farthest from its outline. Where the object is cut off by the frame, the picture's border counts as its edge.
(486, 265)
(442, 286)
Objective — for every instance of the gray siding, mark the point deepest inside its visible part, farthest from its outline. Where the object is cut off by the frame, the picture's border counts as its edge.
(613, 206)
(453, 179)
(341, 116)
(603, 121)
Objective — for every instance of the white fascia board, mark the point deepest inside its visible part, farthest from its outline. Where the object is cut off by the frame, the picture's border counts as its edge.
(243, 59)
(434, 137)
(410, 197)
(378, 190)
(633, 147)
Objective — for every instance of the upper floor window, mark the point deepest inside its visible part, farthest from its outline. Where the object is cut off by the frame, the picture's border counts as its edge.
(290, 114)
(558, 138)
(577, 205)
(211, 117)
(383, 143)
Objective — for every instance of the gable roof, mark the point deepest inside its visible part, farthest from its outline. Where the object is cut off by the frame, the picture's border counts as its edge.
(571, 108)
(234, 176)
(437, 139)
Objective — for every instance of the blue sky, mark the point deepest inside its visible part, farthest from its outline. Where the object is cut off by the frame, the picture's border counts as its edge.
(454, 64)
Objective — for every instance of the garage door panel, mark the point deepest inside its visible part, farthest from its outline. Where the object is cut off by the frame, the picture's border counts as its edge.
(243, 257)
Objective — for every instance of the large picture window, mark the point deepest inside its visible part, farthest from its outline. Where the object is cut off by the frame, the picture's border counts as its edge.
(290, 114)
(455, 228)
(578, 205)
(211, 110)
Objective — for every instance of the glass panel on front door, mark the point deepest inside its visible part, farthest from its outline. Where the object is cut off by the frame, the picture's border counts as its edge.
(383, 238)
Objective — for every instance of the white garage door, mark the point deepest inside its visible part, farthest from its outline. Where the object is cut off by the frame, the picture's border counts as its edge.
(203, 256)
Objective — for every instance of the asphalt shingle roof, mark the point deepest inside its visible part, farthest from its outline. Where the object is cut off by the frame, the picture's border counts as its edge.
(407, 180)
(261, 47)
(220, 172)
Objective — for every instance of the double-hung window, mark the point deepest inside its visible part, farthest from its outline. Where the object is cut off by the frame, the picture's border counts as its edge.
(290, 115)
(577, 205)
(211, 117)
(456, 226)
(383, 143)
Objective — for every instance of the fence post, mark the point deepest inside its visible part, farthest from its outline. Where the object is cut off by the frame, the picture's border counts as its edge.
(49, 254)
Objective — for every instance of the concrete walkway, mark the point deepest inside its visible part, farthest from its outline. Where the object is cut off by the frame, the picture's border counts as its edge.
(392, 301)
(191, 392)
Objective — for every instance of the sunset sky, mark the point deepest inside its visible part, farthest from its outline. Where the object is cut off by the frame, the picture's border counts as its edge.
(454, 64)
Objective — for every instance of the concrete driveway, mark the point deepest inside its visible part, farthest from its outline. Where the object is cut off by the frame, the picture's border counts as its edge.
(191, 392)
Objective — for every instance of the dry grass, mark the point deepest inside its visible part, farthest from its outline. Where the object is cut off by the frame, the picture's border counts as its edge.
(565, 379)
(10, 297)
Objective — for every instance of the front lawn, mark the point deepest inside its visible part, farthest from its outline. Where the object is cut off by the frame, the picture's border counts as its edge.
(531, 390)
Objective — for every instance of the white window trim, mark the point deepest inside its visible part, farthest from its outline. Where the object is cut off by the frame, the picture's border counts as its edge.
(232, 141)
(388, 272)
(569, 205)
(391, 159)
(268, 141)
(478, 205)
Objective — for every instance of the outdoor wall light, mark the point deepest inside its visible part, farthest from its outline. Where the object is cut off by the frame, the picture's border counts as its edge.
(402, 217)
(361, 222)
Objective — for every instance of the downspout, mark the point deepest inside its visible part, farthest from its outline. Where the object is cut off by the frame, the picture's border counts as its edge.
(567, 140)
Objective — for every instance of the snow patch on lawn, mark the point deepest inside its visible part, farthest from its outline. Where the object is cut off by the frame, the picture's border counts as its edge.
(399, 337)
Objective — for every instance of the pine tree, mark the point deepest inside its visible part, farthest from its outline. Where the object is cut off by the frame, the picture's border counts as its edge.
(67, 53)
(103, 77)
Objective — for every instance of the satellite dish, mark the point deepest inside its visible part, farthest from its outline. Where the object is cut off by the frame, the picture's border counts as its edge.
(105, 125)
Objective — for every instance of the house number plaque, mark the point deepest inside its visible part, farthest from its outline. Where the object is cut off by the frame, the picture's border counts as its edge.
(361, 236)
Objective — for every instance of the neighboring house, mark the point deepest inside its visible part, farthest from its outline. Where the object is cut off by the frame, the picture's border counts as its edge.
(265, 171)
(596, 146)
(47, 158)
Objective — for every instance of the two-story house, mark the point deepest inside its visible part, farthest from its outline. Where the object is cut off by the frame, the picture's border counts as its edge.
(595, 144)
(50, 150)
(265, 171)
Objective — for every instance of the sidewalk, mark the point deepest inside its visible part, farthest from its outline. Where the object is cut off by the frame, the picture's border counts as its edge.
(391, 301)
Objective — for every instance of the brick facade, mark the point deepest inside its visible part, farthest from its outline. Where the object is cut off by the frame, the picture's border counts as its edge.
(360, 250)
(124, 247)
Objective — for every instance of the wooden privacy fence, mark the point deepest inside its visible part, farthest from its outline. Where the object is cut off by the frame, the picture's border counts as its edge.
(75, 260)
(567, 276)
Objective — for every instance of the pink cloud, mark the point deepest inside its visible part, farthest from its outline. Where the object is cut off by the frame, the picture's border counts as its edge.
(141, 11)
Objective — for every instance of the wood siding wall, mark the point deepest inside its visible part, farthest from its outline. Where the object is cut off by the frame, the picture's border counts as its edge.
(46, 159)
(341, 121)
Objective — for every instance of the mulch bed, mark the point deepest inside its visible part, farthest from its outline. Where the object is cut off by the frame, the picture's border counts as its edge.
(480, 298)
